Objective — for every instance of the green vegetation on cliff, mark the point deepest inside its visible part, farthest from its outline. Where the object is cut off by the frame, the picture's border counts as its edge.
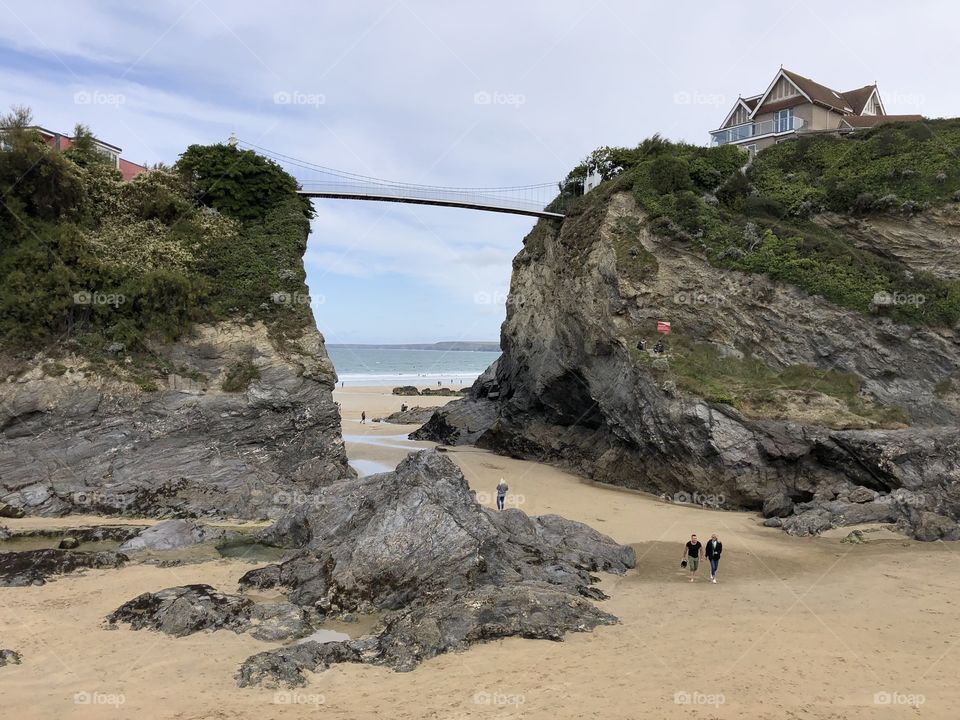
(763, 220)
(89, 260)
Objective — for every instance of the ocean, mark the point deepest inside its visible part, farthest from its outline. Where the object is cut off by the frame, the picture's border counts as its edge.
(394, 366)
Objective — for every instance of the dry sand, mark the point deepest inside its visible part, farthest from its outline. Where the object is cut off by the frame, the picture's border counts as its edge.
(795, 629)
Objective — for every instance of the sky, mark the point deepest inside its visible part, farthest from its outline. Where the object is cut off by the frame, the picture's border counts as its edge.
(443, 93)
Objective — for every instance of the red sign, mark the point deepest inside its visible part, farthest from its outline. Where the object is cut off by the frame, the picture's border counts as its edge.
(663, 327)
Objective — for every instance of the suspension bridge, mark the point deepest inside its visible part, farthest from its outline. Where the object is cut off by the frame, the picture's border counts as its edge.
(317, 181)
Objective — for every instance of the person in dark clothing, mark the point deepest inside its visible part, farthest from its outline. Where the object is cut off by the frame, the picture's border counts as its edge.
(501, 493)
(692, 553)
(658, 348)
(363, 417)
(642, 346)
(712, 552)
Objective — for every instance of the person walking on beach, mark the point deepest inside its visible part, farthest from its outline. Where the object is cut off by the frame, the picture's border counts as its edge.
(712, 552)
(363, 417)
(501, 493)
(692, 552)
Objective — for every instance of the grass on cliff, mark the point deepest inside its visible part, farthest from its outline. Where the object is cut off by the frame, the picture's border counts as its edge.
(757, 390)
(88, 261)
(762, 221)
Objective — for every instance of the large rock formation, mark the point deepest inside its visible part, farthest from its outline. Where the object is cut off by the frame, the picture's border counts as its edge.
(573, 388)
(34, 567)
(414, 544)
(80, 441)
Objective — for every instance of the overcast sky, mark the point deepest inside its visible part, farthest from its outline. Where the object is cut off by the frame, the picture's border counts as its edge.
(390, 89)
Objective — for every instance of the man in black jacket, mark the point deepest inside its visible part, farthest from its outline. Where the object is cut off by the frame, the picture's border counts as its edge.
(712, 551)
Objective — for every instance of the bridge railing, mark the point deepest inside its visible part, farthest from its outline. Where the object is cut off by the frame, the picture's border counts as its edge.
(425, 193)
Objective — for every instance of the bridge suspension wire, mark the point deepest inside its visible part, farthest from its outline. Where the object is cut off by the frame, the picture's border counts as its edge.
(321, 181)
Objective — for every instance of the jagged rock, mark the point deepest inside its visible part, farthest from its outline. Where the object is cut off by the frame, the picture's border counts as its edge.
(278, 621)
(448, 571)
(411, 416)
(462, 422)
(862, 494)
(284, 666)
(185, 610)
(97, 444)
(9, 657)
(405, 390)
(441, 392)
(33, 567)
(69, 543)
(777, 505)
(84, 534)
(855, 537)
(931, 526)
(448, 624)
(9, 511)
(572, 389)
(171, 534)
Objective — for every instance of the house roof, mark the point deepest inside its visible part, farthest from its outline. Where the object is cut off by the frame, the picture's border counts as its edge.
(858, 98)
(820, 94)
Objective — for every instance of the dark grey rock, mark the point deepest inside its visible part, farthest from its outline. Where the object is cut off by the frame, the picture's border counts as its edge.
(773, 522)
(189, 609)
(480, 575)
(411, 416)
(573, 391)
(862, 494)
(34, 567)
(188, 449)
(284, 666)
(69, 543)
(9, 657)
(171, 534)
(9, 511)
(778, 505)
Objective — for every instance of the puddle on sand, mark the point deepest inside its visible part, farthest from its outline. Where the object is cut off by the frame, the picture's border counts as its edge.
(324, 636)
(336, 630)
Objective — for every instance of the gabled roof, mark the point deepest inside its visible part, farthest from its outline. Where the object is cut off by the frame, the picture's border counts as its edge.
(747, 103)
(857, 99)
(813, 91)
(820, 94)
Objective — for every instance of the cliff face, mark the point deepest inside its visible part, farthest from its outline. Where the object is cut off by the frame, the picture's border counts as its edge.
(81, 441)
(840, 417)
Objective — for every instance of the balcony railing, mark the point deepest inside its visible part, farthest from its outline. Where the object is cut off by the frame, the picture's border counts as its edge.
(738, 133)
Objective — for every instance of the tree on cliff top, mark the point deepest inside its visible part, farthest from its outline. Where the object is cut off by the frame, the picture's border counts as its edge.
(238, 183)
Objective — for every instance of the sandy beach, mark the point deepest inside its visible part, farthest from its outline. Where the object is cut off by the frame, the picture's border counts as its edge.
(808, 628)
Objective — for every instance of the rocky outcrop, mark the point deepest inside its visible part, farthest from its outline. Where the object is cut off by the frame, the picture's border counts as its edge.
(9, 657)
(34, 567)
(185, 610)
(82, 441)
(172, 534)
(411, 416)
(413, 544)
(573, 387)
(462, 422)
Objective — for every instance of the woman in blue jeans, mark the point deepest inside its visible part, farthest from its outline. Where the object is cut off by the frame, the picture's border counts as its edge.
(712, 552)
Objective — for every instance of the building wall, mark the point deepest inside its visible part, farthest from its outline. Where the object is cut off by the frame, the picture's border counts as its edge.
(130, 170)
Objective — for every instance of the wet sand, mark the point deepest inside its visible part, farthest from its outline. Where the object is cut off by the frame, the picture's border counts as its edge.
(797, 628)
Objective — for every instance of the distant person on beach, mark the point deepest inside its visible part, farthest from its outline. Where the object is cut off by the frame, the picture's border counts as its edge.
(501, 493)
(363, 416)
(642, 345)
(692, 552)
(712, 553)
(658, 348)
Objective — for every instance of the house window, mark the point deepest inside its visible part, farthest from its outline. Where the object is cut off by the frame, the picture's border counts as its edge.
(783, 120)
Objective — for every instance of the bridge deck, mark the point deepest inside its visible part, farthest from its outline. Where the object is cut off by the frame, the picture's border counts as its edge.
(487, 204)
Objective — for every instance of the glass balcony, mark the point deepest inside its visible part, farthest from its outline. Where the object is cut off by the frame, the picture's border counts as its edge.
(738, 133)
